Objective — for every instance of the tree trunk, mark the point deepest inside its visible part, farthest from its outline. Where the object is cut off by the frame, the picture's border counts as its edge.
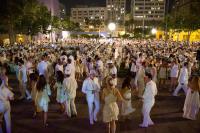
(178, 36)
(11, 33)
(188, 37)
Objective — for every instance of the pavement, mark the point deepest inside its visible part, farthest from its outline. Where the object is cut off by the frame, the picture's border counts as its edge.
(166, 114)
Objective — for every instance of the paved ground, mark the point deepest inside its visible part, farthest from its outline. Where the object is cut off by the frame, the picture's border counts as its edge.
(166, 114)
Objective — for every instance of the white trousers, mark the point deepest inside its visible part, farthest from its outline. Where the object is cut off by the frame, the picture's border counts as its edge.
(94, 107)
(70, 107)
(24, 90)
(5, 110)
(146, 109)
(179, 87)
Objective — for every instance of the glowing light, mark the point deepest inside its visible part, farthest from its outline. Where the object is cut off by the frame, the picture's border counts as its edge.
(154, 31)
(91, 27)
(111, 26)
(65, 34)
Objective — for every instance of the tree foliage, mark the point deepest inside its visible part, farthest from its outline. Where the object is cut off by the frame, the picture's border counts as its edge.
(35, 18)
(185, 17)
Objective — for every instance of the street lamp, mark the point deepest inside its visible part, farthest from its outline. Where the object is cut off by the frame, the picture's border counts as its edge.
(112, 27)
(154, 31)
(65, 34)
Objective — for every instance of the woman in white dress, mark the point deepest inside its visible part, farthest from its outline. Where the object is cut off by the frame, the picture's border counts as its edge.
(192, 102)
(110, 96)
(127, 108)
(42, 97)
(5, 96)
(173, 75)
(70, 86)
(60, 97)
(154, 72)
(162, 75)
(34, 79)
(78, 69)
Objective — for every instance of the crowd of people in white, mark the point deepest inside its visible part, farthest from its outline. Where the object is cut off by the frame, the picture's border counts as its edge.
(96, 67)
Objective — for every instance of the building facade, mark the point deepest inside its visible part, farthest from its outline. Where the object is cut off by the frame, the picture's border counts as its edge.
(147, 13)
(86, 16)
(116, 11)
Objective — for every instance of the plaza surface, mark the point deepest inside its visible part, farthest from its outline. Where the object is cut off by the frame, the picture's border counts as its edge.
(167, 115)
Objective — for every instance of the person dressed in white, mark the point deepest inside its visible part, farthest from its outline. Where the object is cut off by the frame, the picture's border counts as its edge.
(113, 73)
(174, 74)
(139, 60)
(63, 58)
(5, 96)
(133, 69)
(70, 87)
(148, 100)
(127, 108)
(23, 79)
(154, 72)
(91, 88)
(70, 69)
(192, 102)
(99, 67)
(183, 80)
(42, 66)
(29, 66)
(59, 66)
(139, 80)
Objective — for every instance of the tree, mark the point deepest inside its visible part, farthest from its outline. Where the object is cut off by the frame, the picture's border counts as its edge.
(186, 17)
(35, 18)
(9, 13)
(23, 16)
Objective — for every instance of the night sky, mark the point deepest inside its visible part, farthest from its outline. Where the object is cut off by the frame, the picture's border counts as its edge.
(72, 3)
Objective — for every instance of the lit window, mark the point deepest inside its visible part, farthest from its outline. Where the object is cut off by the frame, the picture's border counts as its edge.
(136, 8)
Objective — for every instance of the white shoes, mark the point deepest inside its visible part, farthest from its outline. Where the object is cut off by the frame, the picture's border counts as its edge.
(145, 126)
(175, 95)
(28, 98)
(91, 123)
(95, 119)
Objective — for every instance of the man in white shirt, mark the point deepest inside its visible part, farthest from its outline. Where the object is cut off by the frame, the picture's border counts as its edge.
(148, 100)
(70, 68)
(91, 88)
(139, 60)
(133, 68)
(42, 66)
(59, 66)
(183, 80)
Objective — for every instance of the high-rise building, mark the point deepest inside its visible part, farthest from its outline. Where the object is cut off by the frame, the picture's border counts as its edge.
(53, 6)
(116, 11)
(83, 14)
(147, 13)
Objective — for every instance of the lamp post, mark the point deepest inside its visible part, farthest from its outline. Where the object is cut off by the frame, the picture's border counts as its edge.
(154, 31)
(112, 27)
